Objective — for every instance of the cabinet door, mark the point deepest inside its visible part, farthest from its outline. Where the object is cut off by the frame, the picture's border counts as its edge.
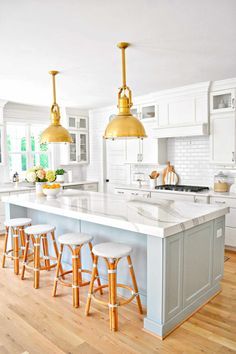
(83, 148)
(230, 236)
(133, 150)
(197, 270)
(82, 123)
(72, 122)
(223, 139)
(222, 101)
(73, 147)
(148, 112)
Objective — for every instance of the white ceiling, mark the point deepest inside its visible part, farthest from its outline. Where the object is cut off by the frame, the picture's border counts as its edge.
(174, 43)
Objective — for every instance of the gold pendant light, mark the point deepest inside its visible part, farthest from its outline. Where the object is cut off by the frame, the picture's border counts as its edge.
(55, 133)
(124, 125)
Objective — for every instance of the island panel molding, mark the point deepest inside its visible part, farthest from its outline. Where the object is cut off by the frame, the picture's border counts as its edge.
(165, 262)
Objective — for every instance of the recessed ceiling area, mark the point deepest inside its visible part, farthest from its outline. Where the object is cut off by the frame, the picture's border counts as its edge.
(174, 43)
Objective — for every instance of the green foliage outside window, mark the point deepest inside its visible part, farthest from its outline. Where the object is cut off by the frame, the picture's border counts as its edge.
(38, 159)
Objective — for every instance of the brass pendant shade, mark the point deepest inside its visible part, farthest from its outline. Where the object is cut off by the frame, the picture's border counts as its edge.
(55, 133)
(124, 124)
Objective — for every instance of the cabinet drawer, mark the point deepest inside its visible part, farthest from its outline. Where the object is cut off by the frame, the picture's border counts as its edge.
(90, 187)
(201, 199)
(171, 196)
(230, 236)
(132, 193)
(223, 201)
(119, 191)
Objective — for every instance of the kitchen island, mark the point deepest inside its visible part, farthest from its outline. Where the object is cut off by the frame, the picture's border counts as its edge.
(178, 247)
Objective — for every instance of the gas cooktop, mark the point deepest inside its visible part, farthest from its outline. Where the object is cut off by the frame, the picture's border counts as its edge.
(182, 188)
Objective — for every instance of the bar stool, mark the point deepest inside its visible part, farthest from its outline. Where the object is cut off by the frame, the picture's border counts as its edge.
(16, 225)
(74, 241)
(112, 253)
(39, 233)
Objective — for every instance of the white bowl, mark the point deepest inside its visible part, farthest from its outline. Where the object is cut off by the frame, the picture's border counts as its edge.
(51, 193)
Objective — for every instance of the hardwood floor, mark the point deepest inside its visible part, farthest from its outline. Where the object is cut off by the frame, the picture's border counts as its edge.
(32, 321)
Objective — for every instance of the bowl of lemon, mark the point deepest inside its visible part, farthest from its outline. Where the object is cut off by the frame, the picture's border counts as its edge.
(51, 190)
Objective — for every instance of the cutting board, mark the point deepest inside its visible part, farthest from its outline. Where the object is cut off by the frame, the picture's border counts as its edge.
(169, 176)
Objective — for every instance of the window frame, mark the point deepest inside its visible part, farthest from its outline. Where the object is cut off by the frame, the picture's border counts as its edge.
(29, 152)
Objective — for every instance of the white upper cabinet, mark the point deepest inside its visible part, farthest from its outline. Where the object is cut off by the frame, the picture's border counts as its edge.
(149, 150)
(145, 112)
(183, 111)
(78, 151)
(222, 101)
(223, 139)
(148, 112)
(223, 122)
(76, 122)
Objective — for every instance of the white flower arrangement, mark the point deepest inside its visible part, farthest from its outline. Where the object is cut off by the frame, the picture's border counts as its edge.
(36, 174)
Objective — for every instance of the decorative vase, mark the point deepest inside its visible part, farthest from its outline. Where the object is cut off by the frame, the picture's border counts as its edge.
(38, 188)
(152, 183)
(60, 178)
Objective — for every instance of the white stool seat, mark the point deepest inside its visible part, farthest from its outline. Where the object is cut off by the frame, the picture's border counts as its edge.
(17, 222)
(39, 229)
(74, 239)
(112, 250)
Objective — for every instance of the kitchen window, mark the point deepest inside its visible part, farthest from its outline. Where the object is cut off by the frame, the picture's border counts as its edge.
(24, 149)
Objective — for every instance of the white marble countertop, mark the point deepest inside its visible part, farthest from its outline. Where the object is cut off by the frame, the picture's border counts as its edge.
(162, 218)
(24, 186)
(146, 188)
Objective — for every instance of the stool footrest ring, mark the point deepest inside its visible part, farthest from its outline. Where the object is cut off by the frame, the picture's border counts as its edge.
(120, 303)
(69, 284)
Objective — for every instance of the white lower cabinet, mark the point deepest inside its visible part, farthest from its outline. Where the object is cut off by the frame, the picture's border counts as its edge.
(230, 236)
(132, 193)
(171, 196)
(230, 220)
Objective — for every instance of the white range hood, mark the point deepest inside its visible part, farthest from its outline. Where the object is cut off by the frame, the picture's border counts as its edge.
(178, 131)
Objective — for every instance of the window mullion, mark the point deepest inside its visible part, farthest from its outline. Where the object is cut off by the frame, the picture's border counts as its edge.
(28, 147)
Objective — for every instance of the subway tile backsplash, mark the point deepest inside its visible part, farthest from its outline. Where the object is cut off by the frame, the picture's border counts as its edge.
(191, 159)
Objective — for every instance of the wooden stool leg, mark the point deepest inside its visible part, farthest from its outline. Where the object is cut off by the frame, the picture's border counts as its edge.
(97, 275)
(93, 276)
(5, 247)
(25, 256)
(75, 280)
(79, 267)
(131, 269)
(113, 306)
(57, 271)
(22, 239)
(36, 261)
(56, 250)
(16, 250)
(45, 251)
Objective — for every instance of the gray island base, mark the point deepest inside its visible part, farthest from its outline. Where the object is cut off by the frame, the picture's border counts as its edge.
(178, 247)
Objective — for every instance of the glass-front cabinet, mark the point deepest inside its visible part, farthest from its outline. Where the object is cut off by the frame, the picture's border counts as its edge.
(148, 112)
(223, 101)
(77, 122)
(78, 149)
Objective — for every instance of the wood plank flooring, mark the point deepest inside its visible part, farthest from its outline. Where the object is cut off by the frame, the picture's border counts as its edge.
(33, 322)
